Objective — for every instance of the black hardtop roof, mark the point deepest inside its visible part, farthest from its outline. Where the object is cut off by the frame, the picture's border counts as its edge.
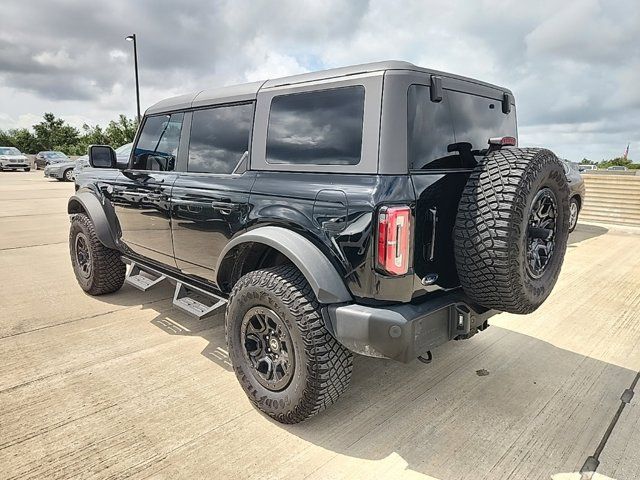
(249, 91)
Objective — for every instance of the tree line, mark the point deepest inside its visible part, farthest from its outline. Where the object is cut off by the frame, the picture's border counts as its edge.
(55, 134)
(618, 161)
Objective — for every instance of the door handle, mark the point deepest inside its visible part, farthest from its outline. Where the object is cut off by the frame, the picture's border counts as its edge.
(225, 205)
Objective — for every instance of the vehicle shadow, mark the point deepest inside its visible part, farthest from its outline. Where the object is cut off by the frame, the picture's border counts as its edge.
(469, 414)
(584, 232)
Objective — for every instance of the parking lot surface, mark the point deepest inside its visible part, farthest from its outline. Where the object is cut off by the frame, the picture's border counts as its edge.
(125, 386)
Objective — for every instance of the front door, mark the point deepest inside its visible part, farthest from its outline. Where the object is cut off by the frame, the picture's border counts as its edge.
(210, 200)
(142, 193)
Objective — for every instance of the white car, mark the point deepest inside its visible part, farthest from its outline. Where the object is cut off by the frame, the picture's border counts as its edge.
(12, 159)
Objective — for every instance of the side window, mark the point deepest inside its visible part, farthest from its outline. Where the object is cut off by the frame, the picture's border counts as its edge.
(321, 127)
(157, 146)
(219, 138)
(429, 130)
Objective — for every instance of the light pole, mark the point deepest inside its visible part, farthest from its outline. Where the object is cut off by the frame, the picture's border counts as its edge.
(132, 38)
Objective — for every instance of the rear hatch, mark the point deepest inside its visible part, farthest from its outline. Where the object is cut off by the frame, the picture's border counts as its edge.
(446, 139)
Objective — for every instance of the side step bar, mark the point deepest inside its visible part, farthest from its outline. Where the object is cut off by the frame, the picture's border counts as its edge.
(136, 279)
(183, 298)
(192, 300)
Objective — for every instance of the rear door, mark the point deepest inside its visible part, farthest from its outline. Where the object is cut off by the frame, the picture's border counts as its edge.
(142, 193)
(445, 140)
(210, 200)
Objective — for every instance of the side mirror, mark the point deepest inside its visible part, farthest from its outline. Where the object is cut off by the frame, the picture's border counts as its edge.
(102, 156)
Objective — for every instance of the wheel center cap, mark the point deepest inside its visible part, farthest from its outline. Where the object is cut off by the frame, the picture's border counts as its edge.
(274, 345)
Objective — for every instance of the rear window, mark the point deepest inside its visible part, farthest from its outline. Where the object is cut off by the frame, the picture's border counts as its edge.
(316, 128)
(454, 132)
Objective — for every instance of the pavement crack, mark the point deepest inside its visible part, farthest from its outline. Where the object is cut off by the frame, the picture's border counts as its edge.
(30, 246)
(592, 462)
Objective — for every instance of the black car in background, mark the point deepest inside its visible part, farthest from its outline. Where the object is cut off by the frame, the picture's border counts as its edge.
(45, 158)
(576, 192)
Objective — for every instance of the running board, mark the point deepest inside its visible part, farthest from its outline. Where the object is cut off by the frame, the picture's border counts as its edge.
(136, 279)
(184, 300)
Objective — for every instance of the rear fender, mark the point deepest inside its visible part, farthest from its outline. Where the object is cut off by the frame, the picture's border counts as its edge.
(325, 281)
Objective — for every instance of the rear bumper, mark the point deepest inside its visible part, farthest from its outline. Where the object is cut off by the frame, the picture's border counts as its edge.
(404, 332)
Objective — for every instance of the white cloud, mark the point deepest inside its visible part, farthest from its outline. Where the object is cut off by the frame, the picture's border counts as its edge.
(574, 66)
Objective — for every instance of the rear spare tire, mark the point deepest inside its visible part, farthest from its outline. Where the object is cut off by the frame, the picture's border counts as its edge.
(511, 229)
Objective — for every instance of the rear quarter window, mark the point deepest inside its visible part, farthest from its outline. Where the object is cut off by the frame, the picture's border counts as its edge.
(321, 127)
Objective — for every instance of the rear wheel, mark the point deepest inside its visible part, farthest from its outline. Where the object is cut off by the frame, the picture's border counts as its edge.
(511, 229)
(98, 269)
(287, 362)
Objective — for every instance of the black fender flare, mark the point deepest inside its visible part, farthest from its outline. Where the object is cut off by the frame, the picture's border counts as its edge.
(324, 279)
(87, 202)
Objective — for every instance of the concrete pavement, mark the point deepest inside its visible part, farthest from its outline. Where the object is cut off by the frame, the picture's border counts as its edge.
(125, 386)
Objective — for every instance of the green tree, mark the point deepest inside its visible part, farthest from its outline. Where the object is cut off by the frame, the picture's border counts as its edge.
(121, 131)
(54, 134)
(90, 136)
(22, 139)
(618, 161)
(586, 161)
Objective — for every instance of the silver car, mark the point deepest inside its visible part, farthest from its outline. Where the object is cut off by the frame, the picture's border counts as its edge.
(12, 159)
(62, 171)
(122, 154)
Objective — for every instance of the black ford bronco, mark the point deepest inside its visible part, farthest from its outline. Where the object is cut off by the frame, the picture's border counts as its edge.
(381, 209)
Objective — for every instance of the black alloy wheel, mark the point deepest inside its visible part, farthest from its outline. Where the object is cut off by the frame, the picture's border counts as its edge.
(268, 348)
(541, 232)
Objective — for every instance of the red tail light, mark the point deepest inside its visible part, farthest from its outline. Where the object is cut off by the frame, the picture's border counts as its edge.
(394, 228)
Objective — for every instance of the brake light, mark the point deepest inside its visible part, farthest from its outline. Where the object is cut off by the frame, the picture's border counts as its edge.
(394, 228)
(503, 141)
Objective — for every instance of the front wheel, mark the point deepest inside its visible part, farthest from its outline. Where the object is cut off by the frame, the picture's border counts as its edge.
(98, 269)
(574, 209)
(287, 362)
(68, 175)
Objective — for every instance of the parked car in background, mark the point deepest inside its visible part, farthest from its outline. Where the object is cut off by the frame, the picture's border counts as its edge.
(576, 191)
(12, 159)
(618, 168)
(45, 158)
(122, 156)
(61, 171)
(586, 168)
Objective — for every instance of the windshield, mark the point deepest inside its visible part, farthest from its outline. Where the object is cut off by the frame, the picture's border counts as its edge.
(54, 155)
(9, 151)
(124, 149)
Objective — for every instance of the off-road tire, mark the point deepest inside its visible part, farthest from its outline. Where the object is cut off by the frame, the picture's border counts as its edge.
(491, 229)
(107, 269)
(322, 365)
